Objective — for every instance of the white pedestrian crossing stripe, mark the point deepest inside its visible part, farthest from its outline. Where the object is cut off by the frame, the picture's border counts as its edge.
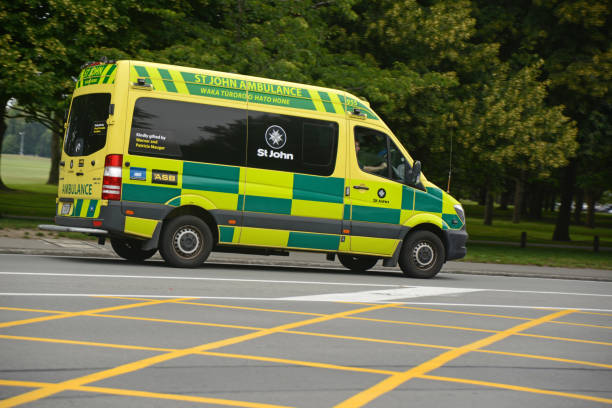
(381, 295)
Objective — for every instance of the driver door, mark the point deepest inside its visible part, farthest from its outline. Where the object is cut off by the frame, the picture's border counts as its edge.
(376, 168)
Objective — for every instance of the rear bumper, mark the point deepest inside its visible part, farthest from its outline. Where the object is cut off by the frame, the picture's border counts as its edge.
(112, 219)
(455, 243)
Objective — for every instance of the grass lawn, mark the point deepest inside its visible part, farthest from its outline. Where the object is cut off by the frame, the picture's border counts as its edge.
(538, 231)
(566, 258)
(27, 176)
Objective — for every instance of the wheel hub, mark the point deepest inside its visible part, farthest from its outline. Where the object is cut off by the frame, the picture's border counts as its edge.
(423, 254)
(186, 241)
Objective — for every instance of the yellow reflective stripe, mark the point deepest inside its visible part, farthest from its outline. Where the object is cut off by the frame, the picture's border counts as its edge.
(106, 69)
(83, 208)
(336, 103)
(178, 82)
(316, 100)
(133, 74)
(156, 79)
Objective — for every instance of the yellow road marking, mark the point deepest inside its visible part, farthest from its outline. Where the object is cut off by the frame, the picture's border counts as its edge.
(396, 380)
(84, 343)
(596, 326)
(503, 316)
(338, 336)
(81, 313)
(176, 397)
(351, 317)
(204, 353)
(372, 319)
(147, 362)
(184, 322)
(145, 394)
(22, 309)
(595, 313)
(537, 357)
(516, 388)
(465, 313)
(539, 336)
(299, 362)
(96, 313)
(425, 324)
(33, 384)
(257, 309)
(306, 363)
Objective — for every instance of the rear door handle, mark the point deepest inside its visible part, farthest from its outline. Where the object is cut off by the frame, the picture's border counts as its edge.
(79, 174)
(361, 187)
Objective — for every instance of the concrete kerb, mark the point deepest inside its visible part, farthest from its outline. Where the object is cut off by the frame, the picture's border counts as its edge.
(80, 248)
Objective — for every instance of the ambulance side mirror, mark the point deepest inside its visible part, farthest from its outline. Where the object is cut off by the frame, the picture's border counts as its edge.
(411, 175)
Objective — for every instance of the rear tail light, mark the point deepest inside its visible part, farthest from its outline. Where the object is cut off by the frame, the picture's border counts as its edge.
(111, 183)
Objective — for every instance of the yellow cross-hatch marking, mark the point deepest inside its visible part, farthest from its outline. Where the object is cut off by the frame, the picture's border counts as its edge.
(85, 312)
(379, 320)
(146, 394)
(396, 380)
(53, 389)
(516, 388)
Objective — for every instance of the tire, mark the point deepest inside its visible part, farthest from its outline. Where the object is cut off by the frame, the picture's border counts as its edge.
(186, 241)
(422, 256)
(130, 249)
(356, 263)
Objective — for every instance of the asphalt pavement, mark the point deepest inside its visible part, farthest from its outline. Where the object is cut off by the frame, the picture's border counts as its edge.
(89, 248)
(98, 331)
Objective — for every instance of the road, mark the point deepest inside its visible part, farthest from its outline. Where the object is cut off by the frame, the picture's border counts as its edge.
(91, 332)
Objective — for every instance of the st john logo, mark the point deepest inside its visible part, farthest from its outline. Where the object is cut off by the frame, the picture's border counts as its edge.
(276, 137)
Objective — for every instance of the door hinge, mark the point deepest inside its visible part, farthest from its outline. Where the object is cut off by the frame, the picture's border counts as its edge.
(347, 191)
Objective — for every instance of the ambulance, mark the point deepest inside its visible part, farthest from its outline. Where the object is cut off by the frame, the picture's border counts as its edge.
(188, 161)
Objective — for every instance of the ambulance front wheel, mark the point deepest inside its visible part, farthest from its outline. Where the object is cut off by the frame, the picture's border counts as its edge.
(422, 255)
(130, 249)
(186, 241)
(357, 263)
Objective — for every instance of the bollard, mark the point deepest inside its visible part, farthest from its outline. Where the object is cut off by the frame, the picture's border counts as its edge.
(523, 239)
(596, 243)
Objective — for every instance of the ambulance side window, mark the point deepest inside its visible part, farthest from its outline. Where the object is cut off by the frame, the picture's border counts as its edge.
(291, 143)
(377, 154)
(371, 149)
(189, 131)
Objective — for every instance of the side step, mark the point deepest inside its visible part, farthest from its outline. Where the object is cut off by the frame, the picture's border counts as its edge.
(251, 251)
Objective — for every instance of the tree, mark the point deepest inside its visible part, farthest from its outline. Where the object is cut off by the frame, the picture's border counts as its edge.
(572, 37)
(512, 129)
(45, 43)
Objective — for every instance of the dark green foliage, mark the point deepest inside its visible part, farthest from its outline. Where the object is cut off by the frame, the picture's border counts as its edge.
(514, 83)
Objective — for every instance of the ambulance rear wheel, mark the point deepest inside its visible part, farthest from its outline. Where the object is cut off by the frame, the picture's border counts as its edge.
(186, 241)
(356, 263)
(130, 249)
(422, 255)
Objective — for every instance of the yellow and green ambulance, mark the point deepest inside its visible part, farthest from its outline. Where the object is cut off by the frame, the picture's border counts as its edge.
(188, 161)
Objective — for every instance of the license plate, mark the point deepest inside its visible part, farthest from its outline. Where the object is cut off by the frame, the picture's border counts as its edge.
(65, 208)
